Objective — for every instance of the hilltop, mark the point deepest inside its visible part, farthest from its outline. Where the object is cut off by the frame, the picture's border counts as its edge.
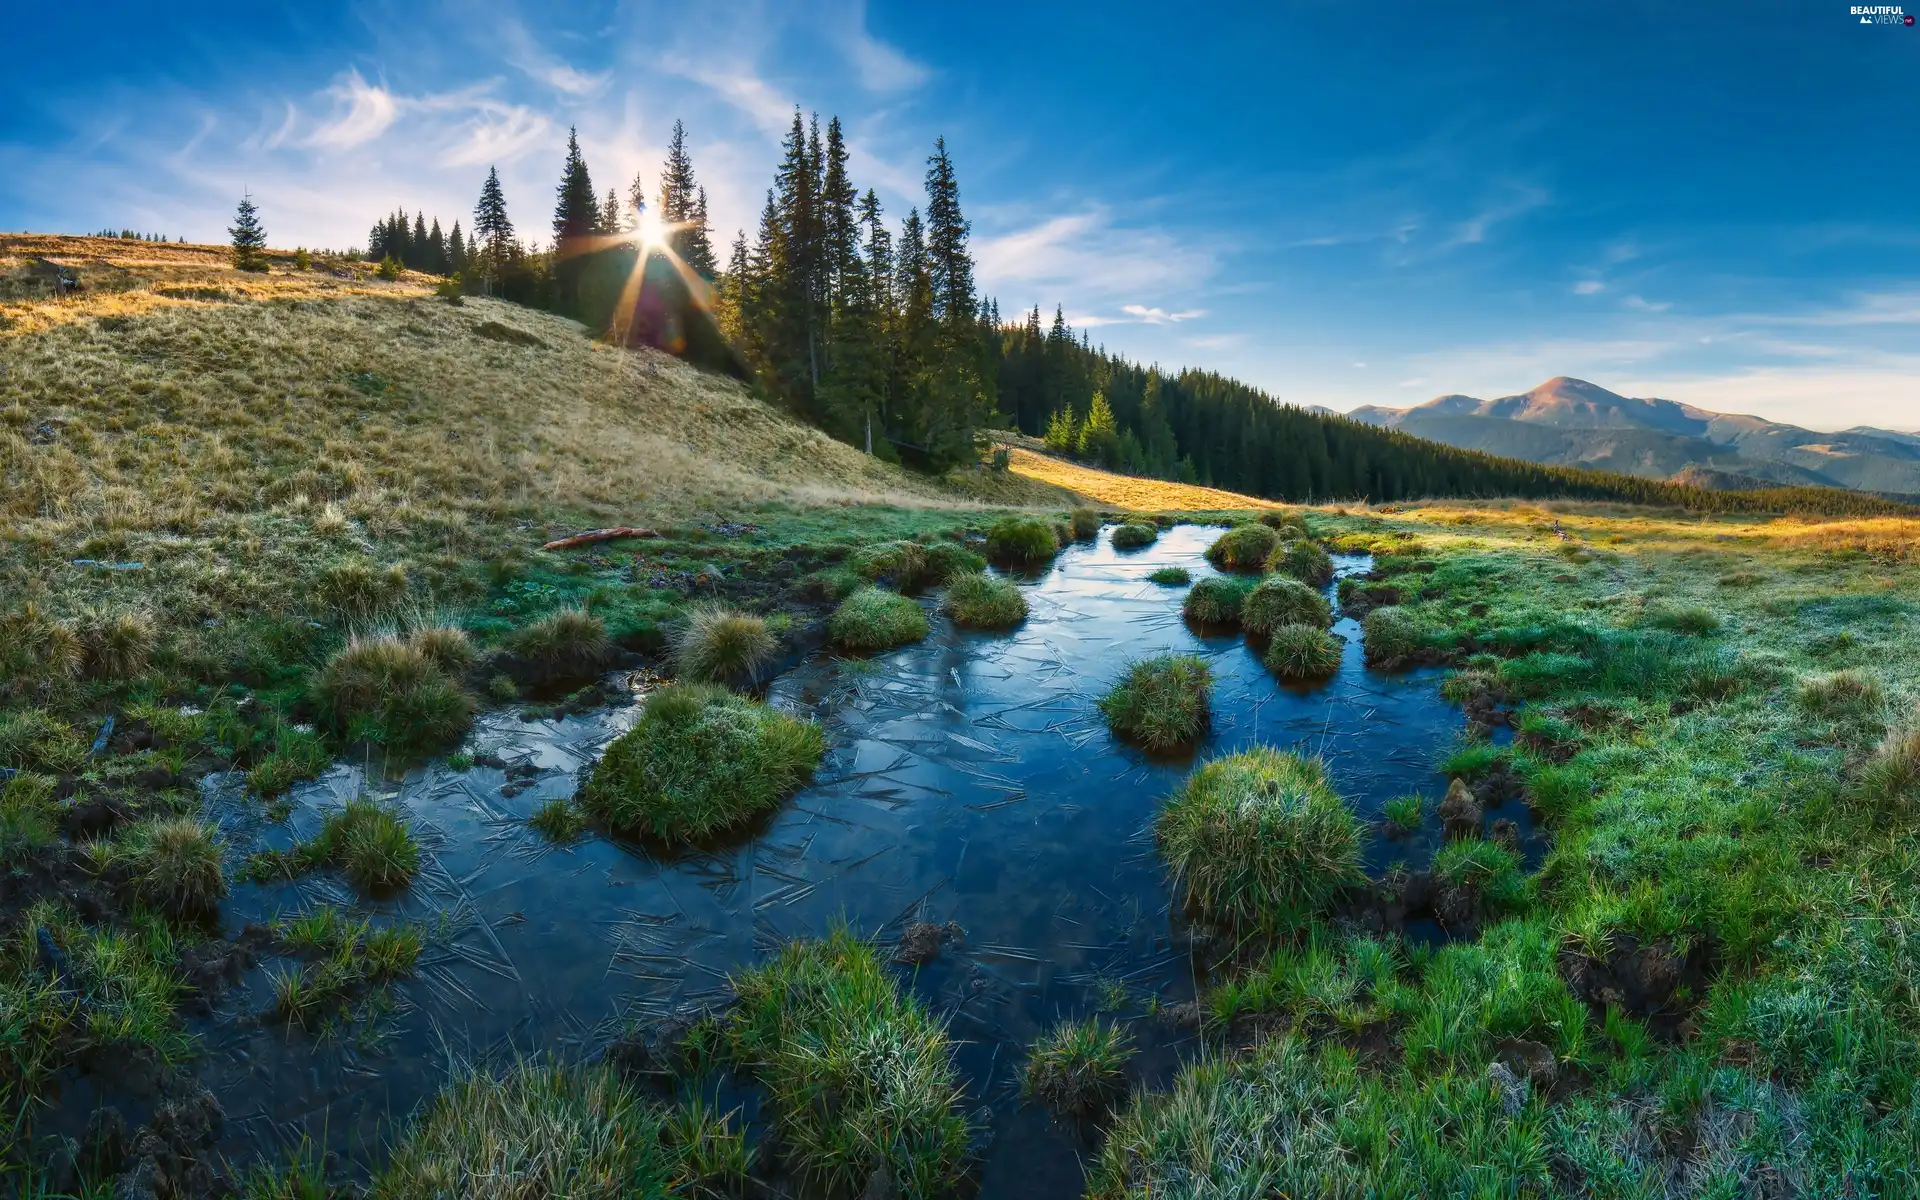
(1573, 423)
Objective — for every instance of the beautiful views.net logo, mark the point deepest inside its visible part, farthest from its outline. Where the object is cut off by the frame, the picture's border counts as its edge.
(1881, 14)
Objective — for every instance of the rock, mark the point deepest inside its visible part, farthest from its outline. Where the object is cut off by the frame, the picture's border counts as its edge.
(1530, 1061)
(1455, 904)
(1460, 812)
(1505, 833)
(922, 941)
(1513, 1089)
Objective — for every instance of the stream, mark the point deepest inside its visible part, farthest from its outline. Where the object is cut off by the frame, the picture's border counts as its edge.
(969, 778)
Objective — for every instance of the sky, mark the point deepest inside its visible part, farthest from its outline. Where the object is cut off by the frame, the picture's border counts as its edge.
(1343, 203)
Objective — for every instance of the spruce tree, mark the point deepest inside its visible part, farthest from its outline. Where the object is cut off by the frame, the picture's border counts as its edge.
(683, 203)
(249, 236)
(576, 216)
(417, 248)
(456, 251)
(437, 262)
(947, 258)
(492, 241)
(611, 220)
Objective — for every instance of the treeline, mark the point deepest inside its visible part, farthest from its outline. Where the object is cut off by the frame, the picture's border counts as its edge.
(129, 235)
(418, 247)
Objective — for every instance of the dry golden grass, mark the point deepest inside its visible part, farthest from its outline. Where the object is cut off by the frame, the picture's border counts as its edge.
(186, 415)
(1126, 491)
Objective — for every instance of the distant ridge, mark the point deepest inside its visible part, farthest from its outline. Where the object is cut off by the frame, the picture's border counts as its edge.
(1573, 423)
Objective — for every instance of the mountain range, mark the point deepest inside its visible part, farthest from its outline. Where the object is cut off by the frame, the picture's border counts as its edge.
(1573, 423)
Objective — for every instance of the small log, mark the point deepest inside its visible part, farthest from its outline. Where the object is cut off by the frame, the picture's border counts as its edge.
(599, 535)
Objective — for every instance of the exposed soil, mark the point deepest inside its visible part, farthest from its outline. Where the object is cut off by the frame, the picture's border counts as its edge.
(1656, 982)
(922, 941)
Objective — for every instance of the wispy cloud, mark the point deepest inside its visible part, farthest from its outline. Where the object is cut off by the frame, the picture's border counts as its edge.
(1642, 304)
(1091, 257)
(1160, 316)
(741, 88)
(881, 67)
(361, 113)
(1589, 287)
(1474, 230)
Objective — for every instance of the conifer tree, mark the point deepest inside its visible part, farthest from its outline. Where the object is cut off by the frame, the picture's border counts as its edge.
(683, 203)
(611, 219)
(492, 241)
(417, 248)
(249, 236)
(437, 251)
(456, 251)
(576, 216)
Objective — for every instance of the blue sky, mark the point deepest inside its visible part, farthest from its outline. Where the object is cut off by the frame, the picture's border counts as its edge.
(1345, 203)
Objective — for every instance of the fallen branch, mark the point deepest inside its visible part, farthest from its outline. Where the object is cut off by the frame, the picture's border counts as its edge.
(599, 535)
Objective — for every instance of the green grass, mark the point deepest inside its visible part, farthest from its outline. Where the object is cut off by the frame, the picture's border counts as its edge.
(366, 841)
(1393, 636)
(558, 820)
(1216, 601)
(1161, 703)
(1259, 839)
(348, 958)
(700, 760)
(1078, 1067)
(1243, 548)
(296, 756)
(1171, 577)
(859, 1078)
(1403, 812)
(1302, 560)
(1302, 652)
(172, 864)
(387, 690)
(718, 645)
(1084, 524)
(1842, 695)
(873, 619)
(28, 816)
(1022, 541)
(542, 1129)
(1693, 619)
(984, 602)
(1278, 600)
(1133, 535)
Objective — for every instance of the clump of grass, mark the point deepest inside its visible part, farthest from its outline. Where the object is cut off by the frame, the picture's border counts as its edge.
(33, 645)
(296, 755)
(948, 561)
(874, 619)
(360, 591)
(366, 841)
(27, 815)
(902, 562)
(172, 865)
(387, 690)
(1134, 535)
(119, 644)
(1171, 577)
(1216, 601)
(1695, 619)
(349, 956)
(718, 644)
(1278, 600)
(35, 739)
(1302, 652)
(569, 641)
(859, 1077)
(446, 646)
(1475, 760)
(984, 602)
(1259, 839)
(1161, 703)
(1278, 520)
(1243, 548)
(1403, 812)
(1022, 541)
(558, 820)
(1302, 560)
(1078, 1067)
(1847, 695)
(1392, 636)
(1891, 777)
(699, 760)
(1084, 523)
(539, 1129)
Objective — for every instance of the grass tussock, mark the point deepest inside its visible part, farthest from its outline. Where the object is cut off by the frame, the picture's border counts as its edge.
(541, 1129)
(1078, 1067)
(719, 645)
(1244, 548)
(1393, 636)
(1171, 577)
(1084, 524)
(1260, 839)
(1890, 779)
(860, 1078)
(1022, 541)
(1216, 601)
(366, 841)
(568, 642)
(172, 865)
(28, 816)
(558, 820)
(1301, 559)
(388, 690)
(699, 761)
(1842, 695)
(1135, 535)
(874, 619)
(348, 959)
(984, 602)
(118, 643)
(1302, 652)
(1280, 600)
(1161, 703)
(445, 646)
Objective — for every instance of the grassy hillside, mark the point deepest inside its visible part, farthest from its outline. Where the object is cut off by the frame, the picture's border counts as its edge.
(234, 432)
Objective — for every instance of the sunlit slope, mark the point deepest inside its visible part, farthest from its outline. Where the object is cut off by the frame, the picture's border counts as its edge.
(174, 405)
(1128, 491)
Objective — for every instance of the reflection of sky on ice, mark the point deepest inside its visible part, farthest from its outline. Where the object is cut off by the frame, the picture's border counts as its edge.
(970, 778)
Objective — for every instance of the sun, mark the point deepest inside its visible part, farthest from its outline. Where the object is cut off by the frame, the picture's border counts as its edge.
(649, 230)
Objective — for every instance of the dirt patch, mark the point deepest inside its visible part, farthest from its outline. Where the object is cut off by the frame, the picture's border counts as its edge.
(1657, 982)
(497, 332)
(209, 968)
